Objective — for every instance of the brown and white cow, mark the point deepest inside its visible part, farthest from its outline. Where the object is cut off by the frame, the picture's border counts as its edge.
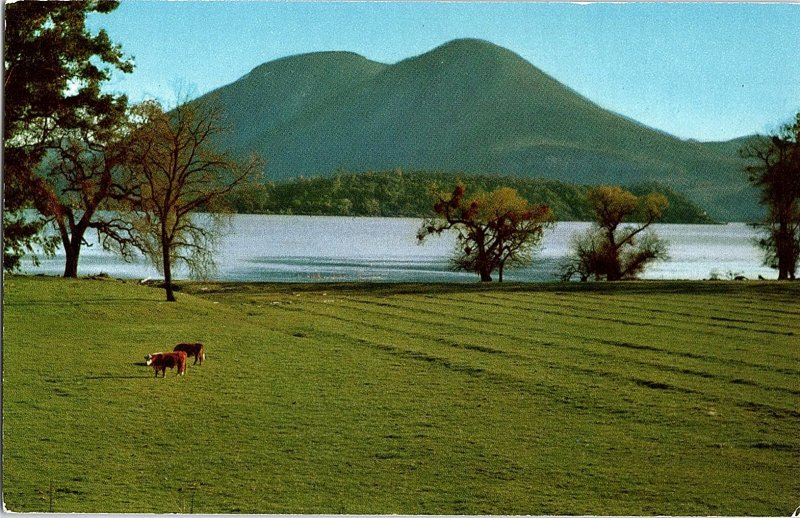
(197, 350)
(160, 361)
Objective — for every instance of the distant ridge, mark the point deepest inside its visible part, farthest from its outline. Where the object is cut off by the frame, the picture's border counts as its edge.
(408, 194)
(467, 105)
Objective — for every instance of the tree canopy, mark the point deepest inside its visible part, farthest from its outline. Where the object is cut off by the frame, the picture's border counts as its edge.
(613, 250)
(495, 230)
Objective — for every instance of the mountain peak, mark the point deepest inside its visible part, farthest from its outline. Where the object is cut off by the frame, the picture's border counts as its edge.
(469, 50)
(466, 105)
(469, 44)
(323, 59)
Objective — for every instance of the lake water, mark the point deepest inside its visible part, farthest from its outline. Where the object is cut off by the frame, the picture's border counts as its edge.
(331, 249)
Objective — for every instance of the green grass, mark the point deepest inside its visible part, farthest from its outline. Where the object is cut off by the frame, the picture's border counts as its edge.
(634, 398)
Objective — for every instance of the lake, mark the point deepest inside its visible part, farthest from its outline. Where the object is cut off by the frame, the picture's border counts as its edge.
(333, 249)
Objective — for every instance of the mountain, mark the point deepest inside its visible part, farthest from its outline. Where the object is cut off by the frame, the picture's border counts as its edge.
(468, 105)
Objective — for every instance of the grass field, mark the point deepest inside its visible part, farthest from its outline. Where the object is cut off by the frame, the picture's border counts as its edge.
(633, 398)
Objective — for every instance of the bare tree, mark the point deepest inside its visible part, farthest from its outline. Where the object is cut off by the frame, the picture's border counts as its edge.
(78, 178)
(179, 173)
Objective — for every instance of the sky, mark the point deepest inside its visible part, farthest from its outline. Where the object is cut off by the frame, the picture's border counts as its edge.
(706, 71)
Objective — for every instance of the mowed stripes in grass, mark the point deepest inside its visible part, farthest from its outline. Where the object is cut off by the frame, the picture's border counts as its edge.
(632, 398)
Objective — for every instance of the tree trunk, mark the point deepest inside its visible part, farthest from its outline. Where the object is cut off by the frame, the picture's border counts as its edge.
(72, 249)
(484, 265)
(783, 249)
(165, 249)
(72, 255)
(614, 266)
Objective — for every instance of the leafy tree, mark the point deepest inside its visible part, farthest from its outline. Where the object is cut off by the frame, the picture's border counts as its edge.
(495, 230)
(775, 169)
(22, 234)
(20, 237)
(54, 68)
(178, 172)
(613, 251)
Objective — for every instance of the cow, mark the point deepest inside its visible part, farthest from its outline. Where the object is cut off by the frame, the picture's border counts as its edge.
(160, 361)
(197, 350)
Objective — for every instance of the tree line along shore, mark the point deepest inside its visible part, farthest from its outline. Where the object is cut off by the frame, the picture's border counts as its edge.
(401, 193)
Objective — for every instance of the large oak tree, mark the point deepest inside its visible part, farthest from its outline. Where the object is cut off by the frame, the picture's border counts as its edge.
(53, 71)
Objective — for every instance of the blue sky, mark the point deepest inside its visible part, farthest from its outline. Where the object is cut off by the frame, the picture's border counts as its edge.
(706, 71)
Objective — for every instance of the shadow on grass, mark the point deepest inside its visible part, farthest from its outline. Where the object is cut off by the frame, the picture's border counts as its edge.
(61, 302)
(377, 288)
(116, 377)
(122, 377)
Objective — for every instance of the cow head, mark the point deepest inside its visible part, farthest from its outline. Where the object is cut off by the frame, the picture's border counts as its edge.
(150, 357)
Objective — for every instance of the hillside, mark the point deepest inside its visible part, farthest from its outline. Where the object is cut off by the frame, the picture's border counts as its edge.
(408, 194)
(468, 105)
